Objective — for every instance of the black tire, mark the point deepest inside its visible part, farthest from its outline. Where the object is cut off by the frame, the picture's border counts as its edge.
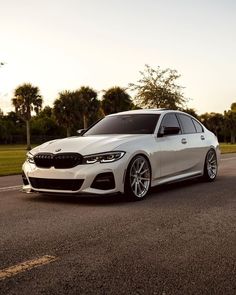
(138, 178)
(210, 166)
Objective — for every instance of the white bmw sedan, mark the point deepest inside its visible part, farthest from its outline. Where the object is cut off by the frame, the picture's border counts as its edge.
(127, 152)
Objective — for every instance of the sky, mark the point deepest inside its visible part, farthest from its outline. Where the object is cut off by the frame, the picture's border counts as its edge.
(65, 44)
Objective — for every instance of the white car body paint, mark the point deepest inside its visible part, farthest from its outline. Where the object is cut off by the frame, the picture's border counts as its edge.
(171, 158)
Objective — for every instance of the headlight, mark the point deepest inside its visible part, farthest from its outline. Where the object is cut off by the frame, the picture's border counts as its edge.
(30, 158)
(108, 157)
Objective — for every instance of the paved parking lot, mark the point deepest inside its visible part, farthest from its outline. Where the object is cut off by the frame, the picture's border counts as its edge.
(180, 240)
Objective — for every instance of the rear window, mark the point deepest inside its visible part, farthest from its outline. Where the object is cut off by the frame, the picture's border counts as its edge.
(198, 126)
(187, 124)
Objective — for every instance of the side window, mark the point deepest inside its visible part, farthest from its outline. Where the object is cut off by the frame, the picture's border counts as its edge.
(169, 120)
(198, 126)
(187, 124)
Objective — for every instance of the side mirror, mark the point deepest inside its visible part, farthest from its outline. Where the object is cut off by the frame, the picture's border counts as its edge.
(81, 131)
(169, 131)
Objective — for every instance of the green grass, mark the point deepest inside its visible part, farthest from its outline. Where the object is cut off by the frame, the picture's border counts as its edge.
(11, 159)
(13, 156)
(226, 148)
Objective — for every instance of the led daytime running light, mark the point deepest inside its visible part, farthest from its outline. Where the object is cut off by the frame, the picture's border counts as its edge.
(30, 158)
(108, 157)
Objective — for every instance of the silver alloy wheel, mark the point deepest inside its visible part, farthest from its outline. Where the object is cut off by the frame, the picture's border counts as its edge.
(211, 164)
(140, 176)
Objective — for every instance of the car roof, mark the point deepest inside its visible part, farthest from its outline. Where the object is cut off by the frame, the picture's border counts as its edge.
(146, 111)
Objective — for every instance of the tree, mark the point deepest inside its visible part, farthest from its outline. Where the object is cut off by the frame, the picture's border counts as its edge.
(76, 108)
(116, 99)
(8, 128)
(2, 127)
(44, 126)
(157, 88)
(27, 99)
(230, 122)
(233, 107)
(47, 111)
(88, 103)
(15, 128)
(64, 110)
(213, 121)
(191, 112)
(1, 64)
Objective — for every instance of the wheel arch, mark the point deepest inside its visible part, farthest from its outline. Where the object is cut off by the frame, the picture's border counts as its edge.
(206, 176)
(138, 188)
(139, 153)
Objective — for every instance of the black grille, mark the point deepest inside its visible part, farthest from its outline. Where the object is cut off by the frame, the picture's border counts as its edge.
(59, 161)
(56, 184)
(44, 160)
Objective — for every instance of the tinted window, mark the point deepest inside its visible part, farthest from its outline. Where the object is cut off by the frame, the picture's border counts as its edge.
(198, 126)
(125, 124)
(169, 120)
(187, 124)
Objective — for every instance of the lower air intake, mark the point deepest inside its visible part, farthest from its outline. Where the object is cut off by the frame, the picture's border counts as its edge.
(56, 184)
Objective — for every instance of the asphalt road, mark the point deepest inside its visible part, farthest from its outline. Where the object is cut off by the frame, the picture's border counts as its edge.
(180, 240)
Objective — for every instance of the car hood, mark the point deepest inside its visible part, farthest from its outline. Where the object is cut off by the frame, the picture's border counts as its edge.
(86, 145)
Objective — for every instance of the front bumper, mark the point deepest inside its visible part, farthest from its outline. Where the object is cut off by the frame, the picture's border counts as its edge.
(98, 178)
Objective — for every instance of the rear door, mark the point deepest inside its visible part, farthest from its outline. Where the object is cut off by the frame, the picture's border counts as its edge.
(195, 152)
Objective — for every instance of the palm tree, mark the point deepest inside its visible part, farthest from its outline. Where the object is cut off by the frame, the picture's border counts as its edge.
(88, 103)
(64, 110)
(27, 99)
(116, 99)
(74, 108)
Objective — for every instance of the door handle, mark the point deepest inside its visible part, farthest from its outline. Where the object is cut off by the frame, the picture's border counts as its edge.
(183, 141)
(202, 137)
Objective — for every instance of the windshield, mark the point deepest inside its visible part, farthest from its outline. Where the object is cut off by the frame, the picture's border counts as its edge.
(125, 124)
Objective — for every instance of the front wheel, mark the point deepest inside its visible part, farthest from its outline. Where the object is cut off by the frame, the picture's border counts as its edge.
(138, 178)
(211, 166)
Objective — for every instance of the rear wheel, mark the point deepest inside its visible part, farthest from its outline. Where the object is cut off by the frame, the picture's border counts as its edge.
(211, 166)
(138, 178)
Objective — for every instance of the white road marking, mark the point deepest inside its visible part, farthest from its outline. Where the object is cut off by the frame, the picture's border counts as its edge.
(10, 188)
(24, 266)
